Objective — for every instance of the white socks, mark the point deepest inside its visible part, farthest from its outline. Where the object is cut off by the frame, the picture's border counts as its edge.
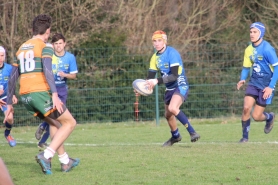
(64, 158)
(48, 153)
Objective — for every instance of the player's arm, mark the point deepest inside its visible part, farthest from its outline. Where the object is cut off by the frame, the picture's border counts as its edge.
(72, 69)
(244, 73)
(11, 91)
(67, 75)
(12, 84)
(5, 178)
(47, 70)
(274, 77)
(243, 76)
(151, 74)
(170, 78)
(247, 64)
(166, 79)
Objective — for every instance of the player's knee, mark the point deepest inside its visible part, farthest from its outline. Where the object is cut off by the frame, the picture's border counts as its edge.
(246, 110)
(174, 110)
(10, 119)
(169, 116)
(255, 117)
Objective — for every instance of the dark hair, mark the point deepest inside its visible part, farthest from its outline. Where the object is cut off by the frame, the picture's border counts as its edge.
(40, 24)
(58, 36)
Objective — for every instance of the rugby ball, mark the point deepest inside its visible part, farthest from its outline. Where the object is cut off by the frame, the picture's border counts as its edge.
(140, 86)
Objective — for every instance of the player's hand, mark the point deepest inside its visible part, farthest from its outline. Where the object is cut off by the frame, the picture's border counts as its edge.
(2, 102)
(239, 84)
(267, 92)
(14, 99)
(61, 73)
(1, 91)
(57, 103)
(151, 83)
(10, 109)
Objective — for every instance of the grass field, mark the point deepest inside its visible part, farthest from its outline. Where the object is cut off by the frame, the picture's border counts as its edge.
(131, 153)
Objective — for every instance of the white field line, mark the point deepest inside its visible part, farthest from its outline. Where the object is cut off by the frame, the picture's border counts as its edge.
(145, 144)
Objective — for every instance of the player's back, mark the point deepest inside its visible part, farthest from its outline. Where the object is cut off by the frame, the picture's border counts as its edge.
(29, 61)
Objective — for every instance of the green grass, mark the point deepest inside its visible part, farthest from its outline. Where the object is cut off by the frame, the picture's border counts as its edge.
(131, 153)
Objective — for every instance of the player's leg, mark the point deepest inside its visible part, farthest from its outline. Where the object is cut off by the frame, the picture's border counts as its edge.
(42, 143)
(5, 177)
(171, 120)
(248, 104)
(174, 108)
(8, 126)
(67, 163)
(40, 130)
(259, 113)
(65, 120)
(42, 103)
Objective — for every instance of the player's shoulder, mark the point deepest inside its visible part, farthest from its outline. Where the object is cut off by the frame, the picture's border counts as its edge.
(48, 45)
(8, 65)
(267, 45)
(171, 49)
(69, 54)
(249, 47)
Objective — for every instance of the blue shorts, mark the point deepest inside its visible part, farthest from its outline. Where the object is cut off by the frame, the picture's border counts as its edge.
(181, 90)
(257, 94)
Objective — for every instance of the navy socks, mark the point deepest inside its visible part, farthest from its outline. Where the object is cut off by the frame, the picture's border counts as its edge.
(175, 134)
(183, 119)
(8, 129)
(268, 116)
(245, 128)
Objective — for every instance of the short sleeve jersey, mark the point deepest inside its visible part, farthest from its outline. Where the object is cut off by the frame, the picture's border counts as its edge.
(261, 58)
(67, 64)
(5, 73)
(164, 61)
(29, 61)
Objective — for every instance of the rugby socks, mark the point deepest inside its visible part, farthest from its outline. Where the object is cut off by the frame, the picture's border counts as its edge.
(48, 153)
(268, 116)
(8, 129)
(45, 135)
(245, 128)
(43, 125)
(183, 119)
(64, 158)
(175, 134)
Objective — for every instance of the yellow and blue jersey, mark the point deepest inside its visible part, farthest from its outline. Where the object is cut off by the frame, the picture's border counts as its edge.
(5, 73)
(65, 63)
(261, 58)
(164, 61)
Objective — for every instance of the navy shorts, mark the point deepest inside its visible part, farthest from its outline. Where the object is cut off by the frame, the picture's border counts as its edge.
(181, 90)
(62, 93)
(257, 94)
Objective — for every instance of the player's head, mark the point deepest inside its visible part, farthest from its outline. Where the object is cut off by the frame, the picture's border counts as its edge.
(41, 25)
(59, 43)
(261, 31)
(2, 54)
(159, 39)
(58, 36)
(159, 34)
